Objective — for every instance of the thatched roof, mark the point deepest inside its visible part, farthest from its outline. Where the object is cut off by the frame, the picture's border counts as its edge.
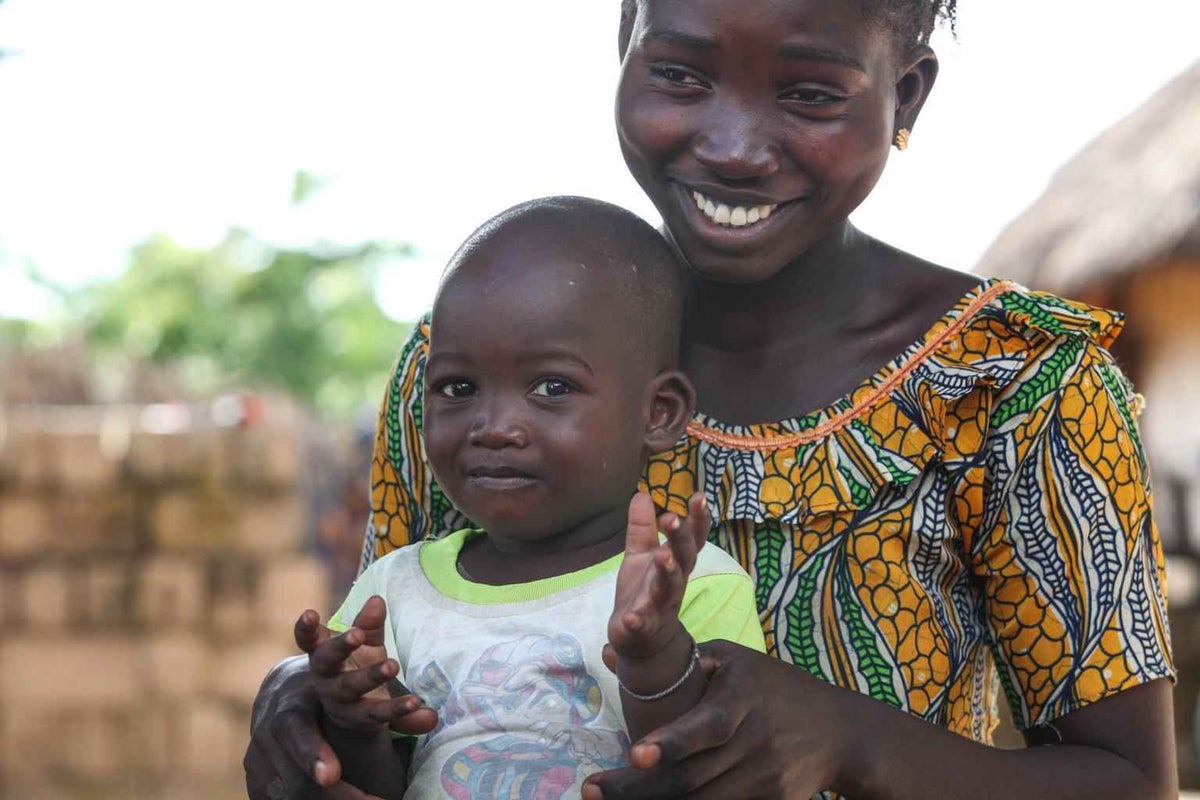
(1129, 200)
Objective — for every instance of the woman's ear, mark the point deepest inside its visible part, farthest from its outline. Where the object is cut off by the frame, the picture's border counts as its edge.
(914, 82)
(672, 401)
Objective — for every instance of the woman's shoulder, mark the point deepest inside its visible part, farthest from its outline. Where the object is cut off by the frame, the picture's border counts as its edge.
(930, 405)
(1004, 311)
(996, 336)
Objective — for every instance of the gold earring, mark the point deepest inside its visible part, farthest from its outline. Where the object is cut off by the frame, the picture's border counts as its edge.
(902, 139)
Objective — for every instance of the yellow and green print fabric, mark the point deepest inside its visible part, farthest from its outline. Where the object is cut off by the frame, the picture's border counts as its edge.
(974, 517)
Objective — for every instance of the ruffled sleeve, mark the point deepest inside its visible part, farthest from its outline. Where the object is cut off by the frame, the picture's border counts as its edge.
(1066, 551)
(407, 505)
(927, 406)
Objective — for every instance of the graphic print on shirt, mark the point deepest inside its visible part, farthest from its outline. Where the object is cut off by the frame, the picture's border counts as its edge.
(536, 694)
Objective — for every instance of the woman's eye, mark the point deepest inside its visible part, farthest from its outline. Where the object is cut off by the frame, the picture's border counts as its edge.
(551, 387)
(812, 97)
(457, 389)
(675, 75)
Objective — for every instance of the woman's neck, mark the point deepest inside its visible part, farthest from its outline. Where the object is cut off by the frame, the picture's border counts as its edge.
(797, 342)
(819, 291)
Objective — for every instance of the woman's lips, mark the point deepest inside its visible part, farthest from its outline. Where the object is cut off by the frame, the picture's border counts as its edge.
(735, 216)
(726, 222)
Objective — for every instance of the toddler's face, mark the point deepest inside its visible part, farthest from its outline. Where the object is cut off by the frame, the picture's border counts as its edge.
(534, 409)
(755, 127)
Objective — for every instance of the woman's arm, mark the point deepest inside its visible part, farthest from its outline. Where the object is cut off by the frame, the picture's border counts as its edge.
(768, 729)
(350, 671)
(287, 751)
(287, 755)
(1120, 747)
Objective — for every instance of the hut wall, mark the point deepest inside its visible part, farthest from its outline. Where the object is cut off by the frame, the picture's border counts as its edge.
(1164, 309)
(148, 580)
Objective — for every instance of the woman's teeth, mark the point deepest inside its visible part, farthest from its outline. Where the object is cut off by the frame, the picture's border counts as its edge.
(737, 216)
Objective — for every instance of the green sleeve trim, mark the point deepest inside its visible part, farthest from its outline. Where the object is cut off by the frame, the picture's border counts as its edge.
(721, 606)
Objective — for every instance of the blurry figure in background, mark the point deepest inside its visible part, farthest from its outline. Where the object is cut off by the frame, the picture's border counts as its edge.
(552, 379)
(340, 511)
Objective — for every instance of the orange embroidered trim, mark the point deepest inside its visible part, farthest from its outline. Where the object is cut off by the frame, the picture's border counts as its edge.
(841, 420)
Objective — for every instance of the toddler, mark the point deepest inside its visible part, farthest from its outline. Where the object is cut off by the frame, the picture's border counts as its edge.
(552, 377)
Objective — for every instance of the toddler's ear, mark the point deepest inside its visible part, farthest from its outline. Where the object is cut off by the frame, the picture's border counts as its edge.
(672, 401)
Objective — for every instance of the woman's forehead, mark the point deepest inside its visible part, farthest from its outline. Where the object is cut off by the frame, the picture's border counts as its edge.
(805, 30)
(727, 15)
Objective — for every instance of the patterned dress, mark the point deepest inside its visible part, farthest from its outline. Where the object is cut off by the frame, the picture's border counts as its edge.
(975, 516)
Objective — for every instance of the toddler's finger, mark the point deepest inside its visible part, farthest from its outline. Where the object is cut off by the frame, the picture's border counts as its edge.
(309, 632)
(609, 656)
(641, 534)
(414, 723)
(352, 685)
(372, 619)
(383, 712)
(327, 659)
(683, 548)
(666, 586)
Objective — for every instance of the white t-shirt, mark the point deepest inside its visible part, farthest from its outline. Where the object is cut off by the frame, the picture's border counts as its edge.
(526, 707)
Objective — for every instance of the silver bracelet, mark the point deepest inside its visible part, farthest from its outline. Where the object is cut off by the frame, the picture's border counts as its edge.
(687, 673)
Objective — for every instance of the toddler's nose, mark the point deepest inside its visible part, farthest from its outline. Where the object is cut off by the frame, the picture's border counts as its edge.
(497, 426)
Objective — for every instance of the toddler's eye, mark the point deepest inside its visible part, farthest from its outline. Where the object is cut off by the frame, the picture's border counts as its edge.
(551, 387)
(457, 389)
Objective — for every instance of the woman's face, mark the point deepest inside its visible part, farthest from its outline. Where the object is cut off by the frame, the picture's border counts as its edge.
(755, 127)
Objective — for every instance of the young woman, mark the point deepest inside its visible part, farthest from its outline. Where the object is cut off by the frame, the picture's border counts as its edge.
(936, 482)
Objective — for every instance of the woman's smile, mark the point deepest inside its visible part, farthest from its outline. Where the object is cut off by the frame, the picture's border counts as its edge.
(734, 219)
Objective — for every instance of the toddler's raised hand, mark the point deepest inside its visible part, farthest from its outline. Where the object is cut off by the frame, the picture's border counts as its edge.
(352, 670)
(653, 576)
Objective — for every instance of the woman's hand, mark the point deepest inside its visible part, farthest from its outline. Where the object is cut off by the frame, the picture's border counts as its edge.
(288, 756)
(763, 729)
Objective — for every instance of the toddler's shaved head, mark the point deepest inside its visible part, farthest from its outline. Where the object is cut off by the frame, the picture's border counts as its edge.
(610, 251)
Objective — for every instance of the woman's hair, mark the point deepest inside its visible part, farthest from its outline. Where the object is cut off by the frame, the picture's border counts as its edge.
(912, 21)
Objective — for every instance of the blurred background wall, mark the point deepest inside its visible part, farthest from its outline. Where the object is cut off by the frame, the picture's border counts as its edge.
(218, 220)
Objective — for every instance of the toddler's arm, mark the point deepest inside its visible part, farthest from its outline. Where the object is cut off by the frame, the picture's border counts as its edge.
(351, 671)
(657, 661)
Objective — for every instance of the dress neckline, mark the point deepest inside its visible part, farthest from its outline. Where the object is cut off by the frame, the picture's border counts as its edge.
(818, 424)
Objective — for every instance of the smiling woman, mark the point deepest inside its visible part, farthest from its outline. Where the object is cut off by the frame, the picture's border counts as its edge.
(935, 480)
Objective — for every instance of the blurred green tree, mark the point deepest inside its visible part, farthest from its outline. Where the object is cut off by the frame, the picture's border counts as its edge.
(246, 313)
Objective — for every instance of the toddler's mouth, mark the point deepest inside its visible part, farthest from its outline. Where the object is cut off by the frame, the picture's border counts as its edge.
(499, 477)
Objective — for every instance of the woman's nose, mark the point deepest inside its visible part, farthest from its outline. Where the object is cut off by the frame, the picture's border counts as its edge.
(735, 144)
(498, 425)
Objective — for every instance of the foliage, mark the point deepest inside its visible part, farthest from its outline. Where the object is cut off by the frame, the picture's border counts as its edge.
(245, 313)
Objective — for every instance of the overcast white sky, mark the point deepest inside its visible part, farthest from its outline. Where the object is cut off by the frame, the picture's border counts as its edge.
(124, 117)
